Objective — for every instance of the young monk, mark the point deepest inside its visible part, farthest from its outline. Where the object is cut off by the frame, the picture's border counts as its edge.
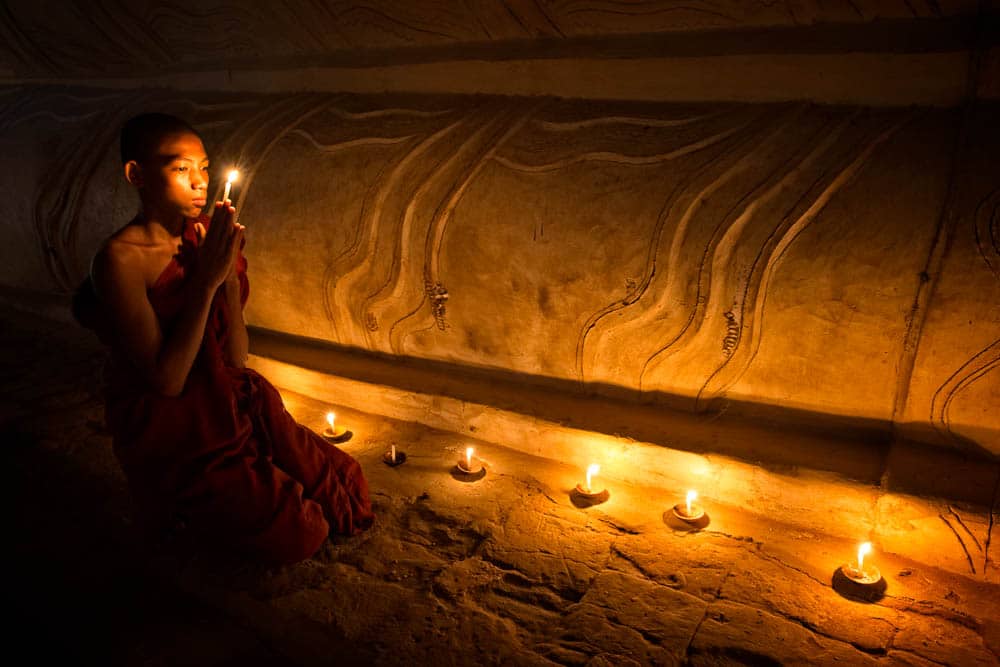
(205, 442)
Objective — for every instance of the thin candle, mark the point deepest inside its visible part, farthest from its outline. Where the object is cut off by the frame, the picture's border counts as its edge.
(863, 550)
(691, 495)
(468, 458)
(592, 470)
(330, 419)
(230, 177)
(392, 454)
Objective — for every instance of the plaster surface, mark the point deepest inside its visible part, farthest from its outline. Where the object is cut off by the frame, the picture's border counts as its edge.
(706, 257)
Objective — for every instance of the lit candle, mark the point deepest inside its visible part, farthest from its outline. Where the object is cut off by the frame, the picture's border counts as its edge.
(392, 453)
(334, 432)
(468, 458)
(861, 574)
(592, 470)
(689, 511)
(691, 495)
(585, 492)
(863, 550)
(231, 176)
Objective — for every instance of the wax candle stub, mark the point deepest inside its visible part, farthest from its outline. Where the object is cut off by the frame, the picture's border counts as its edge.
(393, 458)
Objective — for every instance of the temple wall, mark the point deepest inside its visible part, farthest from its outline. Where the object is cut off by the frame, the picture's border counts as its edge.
(786, 232)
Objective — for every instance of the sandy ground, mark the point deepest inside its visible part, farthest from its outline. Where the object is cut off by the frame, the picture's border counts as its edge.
(503, 569)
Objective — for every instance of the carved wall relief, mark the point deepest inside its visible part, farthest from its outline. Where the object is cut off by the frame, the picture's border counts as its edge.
(696, 253)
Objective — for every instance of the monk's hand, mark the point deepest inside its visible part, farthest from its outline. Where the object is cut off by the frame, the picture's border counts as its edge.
(219, 247)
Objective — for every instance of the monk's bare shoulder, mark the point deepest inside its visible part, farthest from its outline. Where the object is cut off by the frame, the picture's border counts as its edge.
(130, 255)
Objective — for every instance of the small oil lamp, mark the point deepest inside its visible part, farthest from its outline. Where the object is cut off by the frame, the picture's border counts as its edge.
(689, 511)
(587, 491)
(333, 431)
(393, 458)
(469, 465)
(862, 573)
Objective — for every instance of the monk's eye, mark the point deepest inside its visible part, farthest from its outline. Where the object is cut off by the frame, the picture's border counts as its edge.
(180, 168)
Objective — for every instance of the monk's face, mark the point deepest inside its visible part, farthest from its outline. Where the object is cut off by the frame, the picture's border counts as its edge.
(175, 179)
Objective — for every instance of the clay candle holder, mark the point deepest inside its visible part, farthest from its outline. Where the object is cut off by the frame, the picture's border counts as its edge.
(392, 458)
(586, 491)
(689, 511)
(861, 573)
(469, 465)
(334, 432)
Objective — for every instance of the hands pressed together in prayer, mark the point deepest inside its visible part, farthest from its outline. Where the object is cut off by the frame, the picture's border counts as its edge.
(219, 246)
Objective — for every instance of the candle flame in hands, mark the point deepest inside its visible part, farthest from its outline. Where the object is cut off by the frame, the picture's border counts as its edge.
(330, 417)
(232, 175)
(592, 470)
(863, 550)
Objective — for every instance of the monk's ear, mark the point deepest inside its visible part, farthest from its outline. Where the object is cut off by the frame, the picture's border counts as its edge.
(133, 173)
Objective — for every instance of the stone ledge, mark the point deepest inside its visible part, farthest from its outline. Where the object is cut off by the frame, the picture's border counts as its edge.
(770, 469)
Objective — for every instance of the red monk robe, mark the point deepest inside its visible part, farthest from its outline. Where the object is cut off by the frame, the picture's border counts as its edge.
(225, 458)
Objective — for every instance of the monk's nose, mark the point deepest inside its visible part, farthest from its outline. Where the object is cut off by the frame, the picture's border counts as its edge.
(199, 180)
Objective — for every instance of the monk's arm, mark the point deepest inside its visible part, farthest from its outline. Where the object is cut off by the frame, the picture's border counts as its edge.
(164, 360)
(238, 343)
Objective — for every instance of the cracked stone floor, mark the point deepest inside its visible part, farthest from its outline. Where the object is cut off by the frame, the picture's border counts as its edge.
(503, 570)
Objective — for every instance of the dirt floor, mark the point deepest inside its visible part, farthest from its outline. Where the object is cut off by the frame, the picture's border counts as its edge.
(503, 569)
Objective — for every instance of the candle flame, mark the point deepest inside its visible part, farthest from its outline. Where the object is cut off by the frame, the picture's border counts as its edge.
(392, 454)
(468, 457)
(691, 495)
(232, 175)
(863, 550)
(330, 417)
(592, 470)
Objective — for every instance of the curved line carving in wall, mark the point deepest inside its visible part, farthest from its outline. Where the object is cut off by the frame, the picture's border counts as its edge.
(377, 209)
(406, 282)
(717, 278)
(755, 300)
(667, 270)
(986, 229)
(434, 290)
(984, 361)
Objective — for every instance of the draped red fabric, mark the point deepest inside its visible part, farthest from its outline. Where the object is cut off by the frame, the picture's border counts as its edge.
(225, 458)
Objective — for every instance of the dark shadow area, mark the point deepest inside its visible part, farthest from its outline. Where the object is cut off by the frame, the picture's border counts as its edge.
(81, 588)
(774, 437)
(876, 36)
